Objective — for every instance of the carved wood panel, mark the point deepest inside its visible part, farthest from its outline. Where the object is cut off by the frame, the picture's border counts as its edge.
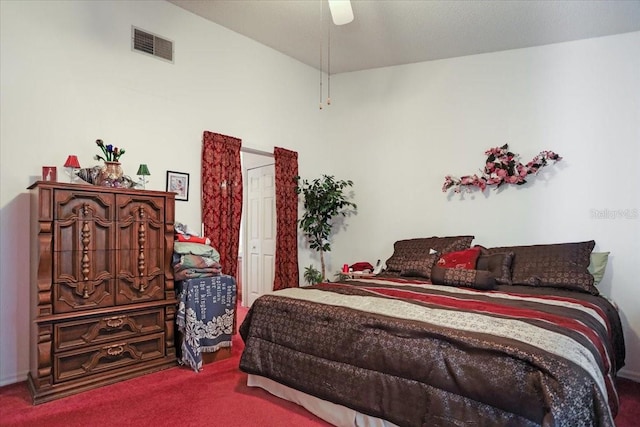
(141, 256)
(83, 261)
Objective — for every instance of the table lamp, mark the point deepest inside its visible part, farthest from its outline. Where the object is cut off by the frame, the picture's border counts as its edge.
(143, 173)
(72, 164)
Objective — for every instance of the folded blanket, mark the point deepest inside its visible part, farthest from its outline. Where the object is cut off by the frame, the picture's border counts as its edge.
(196, 273)
(185, 248)
(193, 261)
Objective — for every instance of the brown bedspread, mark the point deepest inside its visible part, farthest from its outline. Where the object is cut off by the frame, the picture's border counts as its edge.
(423, 355)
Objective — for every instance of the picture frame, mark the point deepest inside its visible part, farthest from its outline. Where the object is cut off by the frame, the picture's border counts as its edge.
(178, 182)
(49, 173)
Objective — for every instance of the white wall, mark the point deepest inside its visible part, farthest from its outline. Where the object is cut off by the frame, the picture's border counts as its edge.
(69, 77)
(400, 130)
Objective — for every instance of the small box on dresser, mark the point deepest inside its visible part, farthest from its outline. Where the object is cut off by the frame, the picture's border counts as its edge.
(103, 299)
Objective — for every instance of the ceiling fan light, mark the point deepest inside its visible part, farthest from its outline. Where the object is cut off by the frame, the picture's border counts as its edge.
(341, 11)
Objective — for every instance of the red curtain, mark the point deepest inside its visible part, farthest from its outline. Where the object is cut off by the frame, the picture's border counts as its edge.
(222, 196)
(286, 268)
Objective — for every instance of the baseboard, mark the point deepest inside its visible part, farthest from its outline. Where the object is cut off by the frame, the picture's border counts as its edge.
(17, 378)
(629, 374)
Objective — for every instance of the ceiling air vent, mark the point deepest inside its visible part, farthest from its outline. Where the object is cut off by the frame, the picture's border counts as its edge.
(145, 42)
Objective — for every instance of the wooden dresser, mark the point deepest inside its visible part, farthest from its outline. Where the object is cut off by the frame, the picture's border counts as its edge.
(103, 299)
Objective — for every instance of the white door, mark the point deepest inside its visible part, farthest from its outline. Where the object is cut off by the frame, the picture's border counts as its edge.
(261, 232)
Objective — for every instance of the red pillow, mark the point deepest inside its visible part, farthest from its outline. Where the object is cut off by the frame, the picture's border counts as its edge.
(461, 259)
(361, 266)
(190, 238)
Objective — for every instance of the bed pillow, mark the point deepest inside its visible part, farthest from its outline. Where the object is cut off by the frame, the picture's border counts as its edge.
(597, 266)
(419, 266)
(470, 278)
(412, 249)
(498, 265)
(561, 265)
(460, 259)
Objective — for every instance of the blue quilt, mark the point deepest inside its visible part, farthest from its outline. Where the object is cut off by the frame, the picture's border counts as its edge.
(205, 316)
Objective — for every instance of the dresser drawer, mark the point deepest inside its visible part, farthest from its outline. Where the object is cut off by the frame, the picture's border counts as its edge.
(102, 329)
(109, 357)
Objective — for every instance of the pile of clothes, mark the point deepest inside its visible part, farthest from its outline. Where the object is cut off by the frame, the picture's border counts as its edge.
(193, 255)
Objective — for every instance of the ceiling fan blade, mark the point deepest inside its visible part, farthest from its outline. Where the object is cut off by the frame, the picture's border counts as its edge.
(341, 11)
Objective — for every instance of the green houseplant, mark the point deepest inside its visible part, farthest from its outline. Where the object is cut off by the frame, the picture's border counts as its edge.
(311, 275)
(324, 199)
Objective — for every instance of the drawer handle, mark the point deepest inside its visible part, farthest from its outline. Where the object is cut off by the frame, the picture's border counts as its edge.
(109, 324)
(114, 322)
(115, 350)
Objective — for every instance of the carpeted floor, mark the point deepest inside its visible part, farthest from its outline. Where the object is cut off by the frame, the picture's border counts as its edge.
(629, 392)
(217, 396)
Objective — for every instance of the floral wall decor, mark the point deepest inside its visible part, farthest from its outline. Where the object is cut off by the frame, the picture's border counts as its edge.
(502, 167)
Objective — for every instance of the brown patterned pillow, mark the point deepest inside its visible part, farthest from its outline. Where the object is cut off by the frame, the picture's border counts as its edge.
(419, 266)
(477, 279)
(412, 249)
(561, 265)
(498, 265)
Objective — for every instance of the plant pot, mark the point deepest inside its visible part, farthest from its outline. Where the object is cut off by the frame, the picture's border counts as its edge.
(110, 174)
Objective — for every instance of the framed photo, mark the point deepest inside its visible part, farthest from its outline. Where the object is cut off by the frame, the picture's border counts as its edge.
(178, 182)
(49, 173)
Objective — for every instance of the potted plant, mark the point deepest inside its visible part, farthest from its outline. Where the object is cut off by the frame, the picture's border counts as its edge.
(324, 199)
(312, 276)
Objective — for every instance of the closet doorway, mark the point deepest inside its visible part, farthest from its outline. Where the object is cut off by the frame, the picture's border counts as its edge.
(258, 228)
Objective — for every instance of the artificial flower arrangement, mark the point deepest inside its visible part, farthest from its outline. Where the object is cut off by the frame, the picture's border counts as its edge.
(111, 153)
(502, 167)
(110, 174)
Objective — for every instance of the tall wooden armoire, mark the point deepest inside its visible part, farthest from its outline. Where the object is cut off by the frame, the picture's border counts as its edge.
(103, 298)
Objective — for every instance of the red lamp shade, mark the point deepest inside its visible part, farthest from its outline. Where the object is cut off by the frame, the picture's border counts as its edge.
(72, 162)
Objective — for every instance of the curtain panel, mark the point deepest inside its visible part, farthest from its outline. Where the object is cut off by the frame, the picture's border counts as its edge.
(222, 196)
(286, 262)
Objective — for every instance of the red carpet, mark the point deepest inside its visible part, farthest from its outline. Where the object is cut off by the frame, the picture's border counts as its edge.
(629, 414)
(217, 396)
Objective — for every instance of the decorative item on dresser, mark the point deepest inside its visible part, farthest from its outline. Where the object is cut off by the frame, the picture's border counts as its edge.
(72, 164)
(49, 173)
(103, 293)
(111, 173)
(143, 173)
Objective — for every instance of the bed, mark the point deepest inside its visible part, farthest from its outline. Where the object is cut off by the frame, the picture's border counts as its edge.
(520, 339)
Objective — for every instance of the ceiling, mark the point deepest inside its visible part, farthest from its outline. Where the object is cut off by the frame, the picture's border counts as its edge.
(395, 32)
